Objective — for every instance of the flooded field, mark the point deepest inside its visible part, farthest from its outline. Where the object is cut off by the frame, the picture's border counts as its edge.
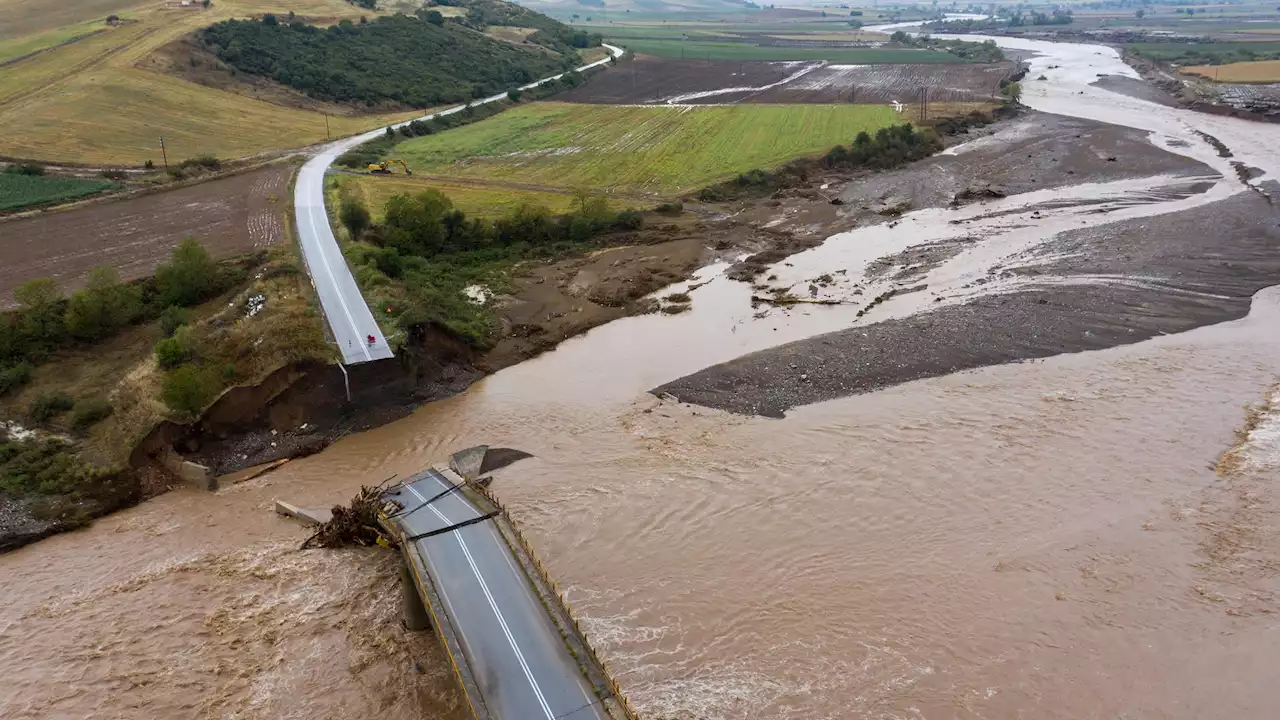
(1061, 538)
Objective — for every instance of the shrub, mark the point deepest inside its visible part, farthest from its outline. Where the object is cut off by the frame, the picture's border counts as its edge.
(189, 389)
(628, 219)
(41, 314)
(103, 307)
(172, 318)
(174, 351)
(32, 169)
(671, 208)
(208, 162)
(190, 277)
(114, 174)
(149, 165)
(514, 95)
(355, 216)
(48, 405)
(14, 377)
(87, 413)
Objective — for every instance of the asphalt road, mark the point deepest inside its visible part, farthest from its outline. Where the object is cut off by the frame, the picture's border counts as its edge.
(349, 317)
(513, 648)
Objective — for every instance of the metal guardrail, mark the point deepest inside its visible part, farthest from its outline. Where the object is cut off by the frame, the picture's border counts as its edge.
(624, 704)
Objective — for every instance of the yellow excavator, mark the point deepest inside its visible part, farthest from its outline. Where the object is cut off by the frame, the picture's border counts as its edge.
(384, 167)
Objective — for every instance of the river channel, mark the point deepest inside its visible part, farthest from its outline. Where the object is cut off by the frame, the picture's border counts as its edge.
(1045, 539)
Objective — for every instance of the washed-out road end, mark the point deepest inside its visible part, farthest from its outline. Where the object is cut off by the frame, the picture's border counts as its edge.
(352, 323)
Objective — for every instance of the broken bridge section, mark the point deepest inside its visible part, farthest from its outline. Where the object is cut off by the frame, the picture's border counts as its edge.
(514, 644)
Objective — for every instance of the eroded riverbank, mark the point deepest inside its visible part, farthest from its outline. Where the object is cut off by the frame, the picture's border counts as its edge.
(1029, 539)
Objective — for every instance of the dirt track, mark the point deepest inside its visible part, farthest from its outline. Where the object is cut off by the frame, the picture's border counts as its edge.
(229, 216)
(652, 80)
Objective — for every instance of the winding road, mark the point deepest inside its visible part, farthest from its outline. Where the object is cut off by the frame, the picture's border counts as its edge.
(353, 326)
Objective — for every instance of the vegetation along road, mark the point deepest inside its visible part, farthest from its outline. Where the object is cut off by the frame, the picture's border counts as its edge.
(354, 329)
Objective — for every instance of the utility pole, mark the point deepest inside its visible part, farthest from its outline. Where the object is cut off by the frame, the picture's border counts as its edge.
(164, 155)
(326, 127)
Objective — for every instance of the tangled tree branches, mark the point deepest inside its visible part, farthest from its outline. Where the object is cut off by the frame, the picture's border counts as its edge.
(356, 524)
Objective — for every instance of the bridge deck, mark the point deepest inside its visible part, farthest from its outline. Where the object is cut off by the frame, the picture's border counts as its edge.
(511, 647)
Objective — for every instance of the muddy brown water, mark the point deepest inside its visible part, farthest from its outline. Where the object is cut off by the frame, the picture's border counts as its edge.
(1045, 539)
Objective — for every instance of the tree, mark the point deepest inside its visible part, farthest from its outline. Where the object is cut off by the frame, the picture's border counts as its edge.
(174, 351)
(434, 17)
(514, 95)
(189, 389)
(41, 304)
(190, 277)
(1140, 14)
(103, 307)
(355, 216)
(209, 3)
(1012, 92)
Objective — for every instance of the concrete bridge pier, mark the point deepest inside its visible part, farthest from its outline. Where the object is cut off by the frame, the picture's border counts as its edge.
(415, 610)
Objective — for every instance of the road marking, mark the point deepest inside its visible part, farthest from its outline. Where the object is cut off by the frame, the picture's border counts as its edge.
(492, 604)
(328, 155)
(311, 219)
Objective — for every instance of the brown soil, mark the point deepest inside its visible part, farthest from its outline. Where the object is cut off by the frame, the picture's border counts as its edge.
(558, 301)
(649, 79)
(229, 216)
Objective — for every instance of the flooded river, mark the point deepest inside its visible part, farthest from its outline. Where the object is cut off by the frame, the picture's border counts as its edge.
(1045, 539)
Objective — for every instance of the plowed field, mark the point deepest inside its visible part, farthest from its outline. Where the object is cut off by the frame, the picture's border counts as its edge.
(229, 216)
(650, 80)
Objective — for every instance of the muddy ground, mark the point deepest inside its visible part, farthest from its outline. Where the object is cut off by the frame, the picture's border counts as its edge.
(1198, 267)
(304, 409)
(229, 217)
(646, 79)
(1033, 151)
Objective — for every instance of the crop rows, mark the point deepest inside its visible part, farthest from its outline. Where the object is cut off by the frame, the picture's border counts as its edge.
(658, 150)
(19, 191)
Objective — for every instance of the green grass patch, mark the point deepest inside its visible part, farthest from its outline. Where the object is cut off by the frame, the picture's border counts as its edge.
(19, 191)
(1206, 53)
(702, 50)
(659, 150)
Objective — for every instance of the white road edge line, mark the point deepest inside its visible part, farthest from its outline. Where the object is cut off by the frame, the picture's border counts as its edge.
(324, 258)
(614, 52)
(494, 605)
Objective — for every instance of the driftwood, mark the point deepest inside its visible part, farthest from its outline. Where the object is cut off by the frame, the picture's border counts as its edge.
(356, 524)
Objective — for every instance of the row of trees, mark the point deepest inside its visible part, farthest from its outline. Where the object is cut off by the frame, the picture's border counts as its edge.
(395, 60)
(47, 321)
(428, 225)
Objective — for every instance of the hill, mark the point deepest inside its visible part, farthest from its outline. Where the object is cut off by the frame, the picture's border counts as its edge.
(415, 61)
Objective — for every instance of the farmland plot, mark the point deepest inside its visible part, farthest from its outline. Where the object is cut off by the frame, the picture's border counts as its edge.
(884, 83)
(20, 191)
(229, 216)
(657, 150)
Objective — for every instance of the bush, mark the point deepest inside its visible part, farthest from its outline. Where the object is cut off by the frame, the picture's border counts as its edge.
(671, 208)
(172, 318)
(190, 277)
(628, 219)
(103, 307)
(48, 405)
(87, 413)
(189, 389)
(208, 162)
(174, 351)
(14, 377)
(355, 216)
(514, 95)
(32, 169)
(114, 174)
(41, 313)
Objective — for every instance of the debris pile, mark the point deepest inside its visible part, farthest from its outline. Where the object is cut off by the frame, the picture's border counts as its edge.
(356, 524)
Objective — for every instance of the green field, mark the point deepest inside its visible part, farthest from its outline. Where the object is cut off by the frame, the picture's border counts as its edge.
(19, 191)
(657, 150)
(699, 50)
(1206, 53)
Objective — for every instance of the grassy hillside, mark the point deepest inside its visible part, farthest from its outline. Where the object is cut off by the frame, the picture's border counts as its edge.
(659, 150)
(406, 60)
(101, 100)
